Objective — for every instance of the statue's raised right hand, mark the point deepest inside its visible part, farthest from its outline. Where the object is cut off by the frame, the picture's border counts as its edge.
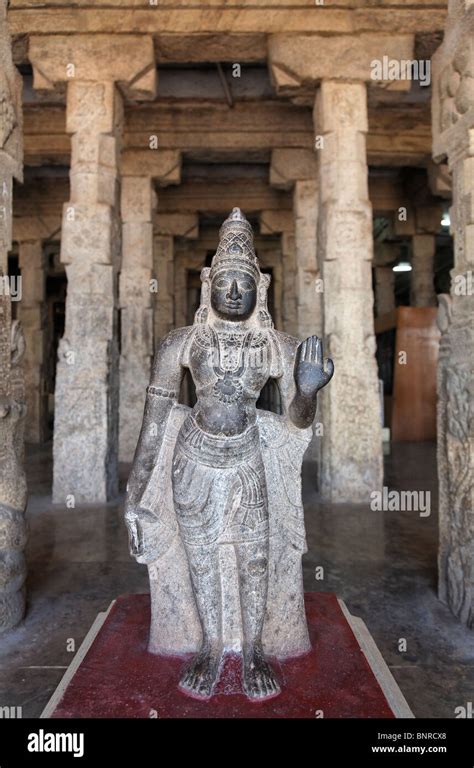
(312, 371)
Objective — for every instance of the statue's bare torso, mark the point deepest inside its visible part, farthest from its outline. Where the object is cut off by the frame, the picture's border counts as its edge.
(229, 369)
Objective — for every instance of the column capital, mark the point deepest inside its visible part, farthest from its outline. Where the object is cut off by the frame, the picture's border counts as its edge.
(290, 165)
(33, 228)
(95, 58)
(340, 104)
(161, 165)
(299, 62)
(176, 224)
(453, 94)
(276, 222)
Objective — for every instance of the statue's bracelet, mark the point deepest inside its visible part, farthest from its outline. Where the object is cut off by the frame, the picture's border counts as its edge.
(170, 394)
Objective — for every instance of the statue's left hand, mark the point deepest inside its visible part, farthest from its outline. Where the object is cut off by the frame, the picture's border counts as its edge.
(312, 371)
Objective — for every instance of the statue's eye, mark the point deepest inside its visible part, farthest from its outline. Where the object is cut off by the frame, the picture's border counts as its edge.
(247, 285)
(221, 284)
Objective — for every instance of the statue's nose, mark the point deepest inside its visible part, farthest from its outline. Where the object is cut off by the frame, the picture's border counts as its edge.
(234, 292)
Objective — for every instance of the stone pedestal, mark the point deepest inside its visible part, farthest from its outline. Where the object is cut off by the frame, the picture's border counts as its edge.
(136, 307)
(453, 138)
(32, 315)
(384, 290)
(352, 439)
(422, 292)
(343, 675)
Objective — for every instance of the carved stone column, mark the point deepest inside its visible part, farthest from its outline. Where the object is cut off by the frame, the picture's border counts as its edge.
(352, 440)
(422, 292)
(384, 290)
(164, 269)
(141, 169)
(32, 315)
(289, 298)
(296, 169)
(30, 231)
(12, 395)
(87, 383)
(136, 308)
(167, 227)
(453, 138)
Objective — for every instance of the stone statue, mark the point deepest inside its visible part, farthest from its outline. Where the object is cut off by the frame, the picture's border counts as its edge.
(214, 497)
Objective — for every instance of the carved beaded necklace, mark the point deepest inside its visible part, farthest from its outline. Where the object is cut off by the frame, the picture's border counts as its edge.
(230, 354)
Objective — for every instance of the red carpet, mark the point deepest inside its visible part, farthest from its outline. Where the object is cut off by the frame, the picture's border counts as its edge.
(119, 678)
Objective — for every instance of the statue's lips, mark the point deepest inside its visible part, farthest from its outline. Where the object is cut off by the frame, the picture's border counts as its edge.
(233, 304)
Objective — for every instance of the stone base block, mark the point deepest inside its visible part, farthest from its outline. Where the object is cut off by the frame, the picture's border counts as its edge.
(114, 675)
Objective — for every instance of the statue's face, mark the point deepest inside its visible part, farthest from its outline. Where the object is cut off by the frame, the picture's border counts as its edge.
(233, 294)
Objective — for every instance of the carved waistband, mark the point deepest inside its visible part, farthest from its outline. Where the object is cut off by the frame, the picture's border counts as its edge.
(217, 450)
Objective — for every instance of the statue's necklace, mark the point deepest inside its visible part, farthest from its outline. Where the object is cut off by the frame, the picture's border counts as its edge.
(227, 369)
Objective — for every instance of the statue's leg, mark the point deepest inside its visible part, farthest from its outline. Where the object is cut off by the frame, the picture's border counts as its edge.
(201, 675)
(259, 681)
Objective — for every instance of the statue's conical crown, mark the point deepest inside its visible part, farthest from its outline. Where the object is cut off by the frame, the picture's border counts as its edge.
(236, 249)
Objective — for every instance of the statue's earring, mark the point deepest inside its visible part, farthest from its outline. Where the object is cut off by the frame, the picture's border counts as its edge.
(203, 310)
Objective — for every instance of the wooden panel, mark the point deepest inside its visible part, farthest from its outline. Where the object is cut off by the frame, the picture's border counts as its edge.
(414, 391)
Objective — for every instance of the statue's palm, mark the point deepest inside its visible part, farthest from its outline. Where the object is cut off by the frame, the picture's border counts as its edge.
(312, 372)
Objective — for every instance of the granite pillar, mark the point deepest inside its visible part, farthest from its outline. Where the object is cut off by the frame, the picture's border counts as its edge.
(289, 298)
(384, 290)
(352, 439)
(138, 201)
(13, 490)
(98, 77)
(86, 396)
(422, 292)
(163, 258)
(308, 279)
(453, 139)
(32, 315)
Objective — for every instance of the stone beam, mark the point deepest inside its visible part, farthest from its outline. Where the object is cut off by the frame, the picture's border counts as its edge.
(252, 195)
(161, 165)
(177, 224)
(276, 221)
(36, 228)
(397, 136)
(301, 61)
(439, 179)
(92, 58)
(189, 20)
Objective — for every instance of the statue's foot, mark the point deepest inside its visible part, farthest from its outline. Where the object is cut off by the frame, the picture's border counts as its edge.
(259, 679)
(201, 675)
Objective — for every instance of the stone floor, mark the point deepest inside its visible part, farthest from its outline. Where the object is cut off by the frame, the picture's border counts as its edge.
(383, 564)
